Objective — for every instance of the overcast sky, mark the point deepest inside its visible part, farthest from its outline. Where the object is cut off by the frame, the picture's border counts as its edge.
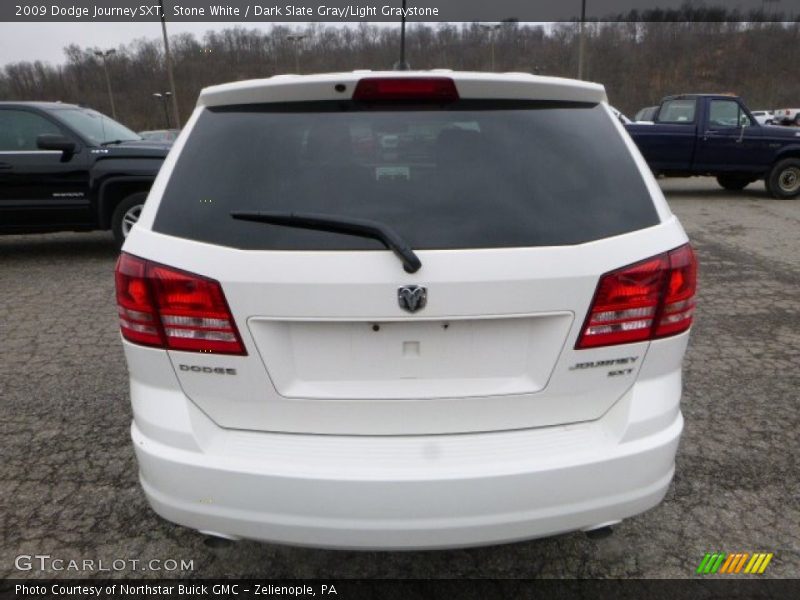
(46, 41)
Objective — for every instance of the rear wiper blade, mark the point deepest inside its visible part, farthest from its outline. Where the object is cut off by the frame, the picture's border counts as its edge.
(359, 227)
(113, 142)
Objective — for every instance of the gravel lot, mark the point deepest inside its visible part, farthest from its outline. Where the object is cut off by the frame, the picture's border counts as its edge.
(68, 474)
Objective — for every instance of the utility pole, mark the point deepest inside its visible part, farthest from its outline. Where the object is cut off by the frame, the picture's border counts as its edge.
(402, 64)
(104, 56)
(582, 39)
(492, 31)
(168, 60)
(163, 97)
(296, 38)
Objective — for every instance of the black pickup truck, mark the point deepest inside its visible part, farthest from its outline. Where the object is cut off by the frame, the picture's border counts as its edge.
(68, 168)
(713, 134)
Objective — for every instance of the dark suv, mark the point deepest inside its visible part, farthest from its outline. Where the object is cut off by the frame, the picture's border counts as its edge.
(68, 168)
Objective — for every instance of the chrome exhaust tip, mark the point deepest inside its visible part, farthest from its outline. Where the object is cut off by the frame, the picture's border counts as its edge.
(600, 531)
(214, 539)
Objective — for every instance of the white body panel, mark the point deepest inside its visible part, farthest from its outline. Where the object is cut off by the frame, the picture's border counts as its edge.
(406, 492)
(471, 422)
(298, 88)
(283, 295)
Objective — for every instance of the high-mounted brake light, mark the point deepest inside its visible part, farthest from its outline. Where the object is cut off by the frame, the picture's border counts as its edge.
(425, 89)
(167, 308)
(651, 299)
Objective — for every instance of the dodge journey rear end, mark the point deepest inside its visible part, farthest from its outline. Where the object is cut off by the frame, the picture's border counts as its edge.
(404, 310)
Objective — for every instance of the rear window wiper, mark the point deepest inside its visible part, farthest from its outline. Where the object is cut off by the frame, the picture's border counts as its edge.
(358, 227)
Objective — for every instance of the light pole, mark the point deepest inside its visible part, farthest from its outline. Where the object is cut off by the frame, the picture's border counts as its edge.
(163, 96)
(104, 56)
(582, 39)
(168, 61)
(402, 64)
(491, 30)
(296, 38)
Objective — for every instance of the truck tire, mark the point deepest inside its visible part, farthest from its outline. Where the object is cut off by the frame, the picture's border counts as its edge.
(735, 183)
(126, 214)
(783, 180)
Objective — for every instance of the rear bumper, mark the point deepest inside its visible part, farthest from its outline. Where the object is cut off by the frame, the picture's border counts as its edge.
(406, 492)
(424, 492)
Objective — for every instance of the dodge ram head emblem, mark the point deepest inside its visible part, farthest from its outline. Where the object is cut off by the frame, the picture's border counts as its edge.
(412, 297)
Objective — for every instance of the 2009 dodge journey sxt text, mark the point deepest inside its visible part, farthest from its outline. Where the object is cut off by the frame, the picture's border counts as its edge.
(405, 310)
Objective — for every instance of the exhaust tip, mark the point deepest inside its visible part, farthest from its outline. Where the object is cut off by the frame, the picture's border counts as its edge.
(601, 531)
(214, 539)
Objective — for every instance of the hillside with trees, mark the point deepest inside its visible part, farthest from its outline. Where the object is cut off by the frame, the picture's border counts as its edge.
(639, 62)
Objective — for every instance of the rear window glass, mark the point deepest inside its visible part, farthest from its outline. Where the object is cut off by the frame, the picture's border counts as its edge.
(473, 174)
(677, 111)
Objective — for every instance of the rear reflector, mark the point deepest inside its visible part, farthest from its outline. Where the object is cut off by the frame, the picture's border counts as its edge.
(167, 308)
(425, 89)
(650, 299)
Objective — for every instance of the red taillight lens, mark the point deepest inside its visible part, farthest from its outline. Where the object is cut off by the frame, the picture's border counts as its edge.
(137, 315)
(164, 307)
(625, 304)
(649, 299)
(678, 306)
(430, 89)
(193, 312)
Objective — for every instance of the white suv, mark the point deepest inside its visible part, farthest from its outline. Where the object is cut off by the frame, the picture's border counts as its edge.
(763, 117)
(471, 335)
(786, 116)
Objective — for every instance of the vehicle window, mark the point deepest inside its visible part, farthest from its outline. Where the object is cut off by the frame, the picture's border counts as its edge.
(20, 128)
(95, 126)
(477, 174)
(727, 113)
(646, 114)
(677, 111)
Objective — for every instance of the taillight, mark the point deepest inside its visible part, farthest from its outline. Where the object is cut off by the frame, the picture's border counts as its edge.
(137, 314)
(678, 305)
(650, 299)
(167, 308)
(430, 89)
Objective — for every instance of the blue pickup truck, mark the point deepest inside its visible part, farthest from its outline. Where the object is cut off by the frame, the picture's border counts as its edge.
(714, 134)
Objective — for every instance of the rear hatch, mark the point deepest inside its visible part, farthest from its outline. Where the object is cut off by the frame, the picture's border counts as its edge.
(514, 208)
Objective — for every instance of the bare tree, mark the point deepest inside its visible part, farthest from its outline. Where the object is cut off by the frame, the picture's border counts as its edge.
(639, 61)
